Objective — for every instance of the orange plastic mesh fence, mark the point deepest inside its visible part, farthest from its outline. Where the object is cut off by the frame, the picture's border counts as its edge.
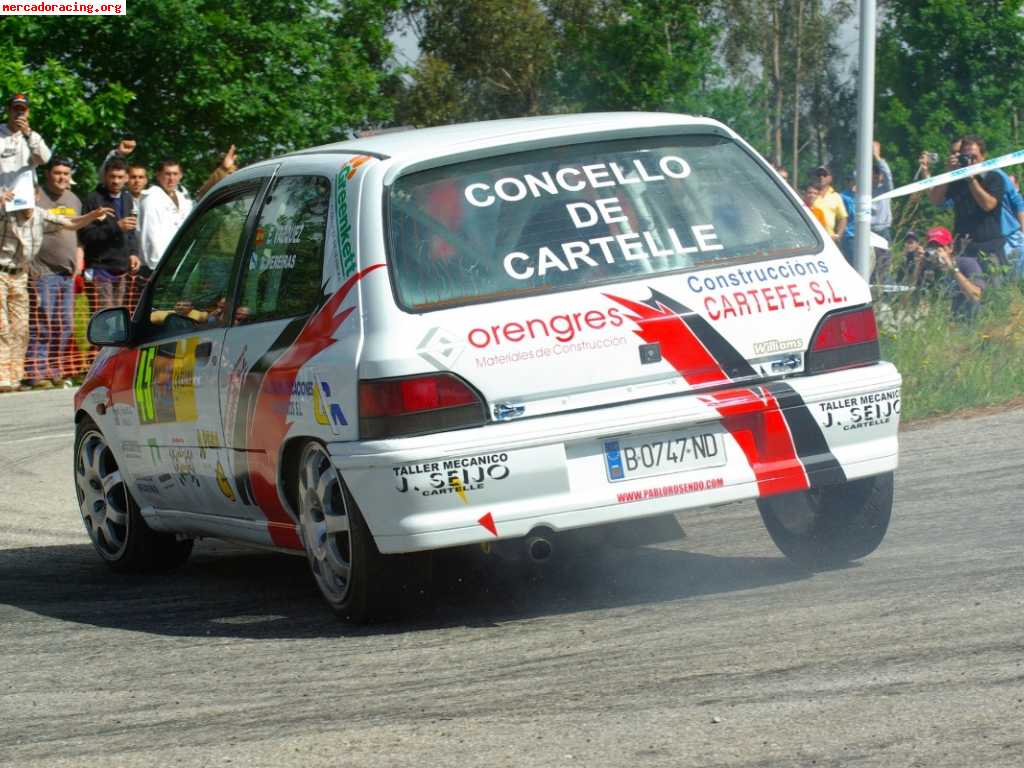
(59, 313)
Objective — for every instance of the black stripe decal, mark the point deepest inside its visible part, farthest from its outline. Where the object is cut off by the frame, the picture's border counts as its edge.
(823, 468)
(732, 363)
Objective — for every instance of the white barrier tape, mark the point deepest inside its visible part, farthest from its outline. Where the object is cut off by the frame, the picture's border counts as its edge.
(959, 173)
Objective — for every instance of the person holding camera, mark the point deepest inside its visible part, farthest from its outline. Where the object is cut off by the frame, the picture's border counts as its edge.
(976, 201)
(21, 148)
(965, 279)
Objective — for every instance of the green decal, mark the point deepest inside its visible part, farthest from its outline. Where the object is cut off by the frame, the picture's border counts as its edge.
(143, 386)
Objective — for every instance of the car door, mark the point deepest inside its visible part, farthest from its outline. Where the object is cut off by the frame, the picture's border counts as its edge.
(175, 385)
(268, 391)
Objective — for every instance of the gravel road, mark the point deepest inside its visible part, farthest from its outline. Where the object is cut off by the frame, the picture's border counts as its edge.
(714, 651)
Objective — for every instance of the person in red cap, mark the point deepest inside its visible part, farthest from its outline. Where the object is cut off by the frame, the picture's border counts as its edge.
(966, 278)
(21, 148)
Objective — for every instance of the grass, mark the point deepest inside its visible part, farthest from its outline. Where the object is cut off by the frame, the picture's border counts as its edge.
(950, 364)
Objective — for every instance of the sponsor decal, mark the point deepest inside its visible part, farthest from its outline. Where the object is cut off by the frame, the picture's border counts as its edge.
(849, 413)
(325, 410)
(206, 439)
(772, 425)
(441, 348)
(154, 450)
(132, 450)
(182, 460)
(519, 341)
(125, 415)
(605, 213)
(147, 485)
(165, 382)
(459, 476)
(745, 291)
(267, 262)
(673, 489)
(345, 250)
(224, 484)
(166, 481)
(772, 346)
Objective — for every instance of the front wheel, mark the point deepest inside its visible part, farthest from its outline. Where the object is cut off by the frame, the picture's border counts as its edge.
(827, 527)
(112, 519)
(357, 581)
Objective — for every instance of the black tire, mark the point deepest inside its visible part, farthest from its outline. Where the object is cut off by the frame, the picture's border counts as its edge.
(111, 516)
(828, 527)
(359, 583)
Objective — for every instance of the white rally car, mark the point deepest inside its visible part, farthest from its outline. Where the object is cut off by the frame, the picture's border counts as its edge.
(487, 333)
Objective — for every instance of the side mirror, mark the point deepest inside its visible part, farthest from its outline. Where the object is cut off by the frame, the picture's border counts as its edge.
(109, 328)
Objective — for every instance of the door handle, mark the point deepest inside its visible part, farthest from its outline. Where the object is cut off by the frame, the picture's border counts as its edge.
(203, 351)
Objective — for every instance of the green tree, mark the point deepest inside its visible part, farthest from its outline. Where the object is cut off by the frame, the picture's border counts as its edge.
(789, 48)
(482, 59)
(70, 115)
(945, 68)
(268, 76)
(631, 54)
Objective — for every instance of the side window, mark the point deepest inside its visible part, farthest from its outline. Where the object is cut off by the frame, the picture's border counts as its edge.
(191, 290)
(281, 276)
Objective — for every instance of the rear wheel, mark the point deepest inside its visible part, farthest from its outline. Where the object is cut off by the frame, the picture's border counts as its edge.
(357, 581)
(111, 517)
(827, 527)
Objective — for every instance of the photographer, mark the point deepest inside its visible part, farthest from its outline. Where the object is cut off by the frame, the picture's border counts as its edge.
(976, 201)
(966, 281)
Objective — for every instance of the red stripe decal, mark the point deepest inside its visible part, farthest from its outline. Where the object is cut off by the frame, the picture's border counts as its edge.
(753, 418)
(269, 426)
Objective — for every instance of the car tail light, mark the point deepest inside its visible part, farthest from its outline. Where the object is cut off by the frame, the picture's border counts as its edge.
(844, 339)
(417, 405)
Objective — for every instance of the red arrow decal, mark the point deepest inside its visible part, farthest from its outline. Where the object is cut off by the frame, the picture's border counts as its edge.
(487, 521)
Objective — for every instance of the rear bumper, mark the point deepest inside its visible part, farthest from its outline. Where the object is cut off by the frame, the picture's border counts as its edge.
(452, 489)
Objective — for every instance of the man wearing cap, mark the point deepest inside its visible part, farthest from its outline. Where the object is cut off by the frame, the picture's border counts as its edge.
(829, 203)
(21, 236)
(21, 148)
(53, 271)
(966, 278)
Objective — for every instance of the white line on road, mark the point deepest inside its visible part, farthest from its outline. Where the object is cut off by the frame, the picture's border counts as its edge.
(40, 437)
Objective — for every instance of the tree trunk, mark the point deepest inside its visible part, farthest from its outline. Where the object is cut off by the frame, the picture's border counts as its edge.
(777, 78)
(796, 89)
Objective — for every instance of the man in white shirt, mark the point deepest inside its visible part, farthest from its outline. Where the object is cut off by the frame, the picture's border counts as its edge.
(161, 212)
(21, 148)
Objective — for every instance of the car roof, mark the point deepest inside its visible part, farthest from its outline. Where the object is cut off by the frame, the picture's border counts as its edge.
(451, 139)
(448, 140)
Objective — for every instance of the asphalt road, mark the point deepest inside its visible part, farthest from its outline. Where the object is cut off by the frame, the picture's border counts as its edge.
(712, 652)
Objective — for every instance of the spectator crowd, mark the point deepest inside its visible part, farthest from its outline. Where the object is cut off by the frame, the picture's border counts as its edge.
(985, 246)
(62, 258)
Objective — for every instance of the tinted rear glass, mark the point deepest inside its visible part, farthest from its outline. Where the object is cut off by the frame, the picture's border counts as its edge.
(585, 214)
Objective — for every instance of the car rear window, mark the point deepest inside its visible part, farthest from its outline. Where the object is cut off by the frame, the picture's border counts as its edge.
(585, 214)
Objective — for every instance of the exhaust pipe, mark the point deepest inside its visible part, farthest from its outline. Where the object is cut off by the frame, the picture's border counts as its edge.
(539, 548)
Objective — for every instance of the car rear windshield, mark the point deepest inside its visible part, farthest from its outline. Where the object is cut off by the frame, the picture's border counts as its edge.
(584, 214)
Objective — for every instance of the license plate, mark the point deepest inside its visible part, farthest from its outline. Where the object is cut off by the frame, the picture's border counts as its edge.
(662, 453)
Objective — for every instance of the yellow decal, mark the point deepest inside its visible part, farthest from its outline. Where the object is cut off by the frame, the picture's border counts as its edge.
(224, 484)
(318, 408)
(165, 382)
(206, 439)
(183, 380)
(457, 485)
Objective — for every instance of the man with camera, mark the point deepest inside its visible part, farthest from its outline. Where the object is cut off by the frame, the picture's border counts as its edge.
(976, 202)
(21, 148)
